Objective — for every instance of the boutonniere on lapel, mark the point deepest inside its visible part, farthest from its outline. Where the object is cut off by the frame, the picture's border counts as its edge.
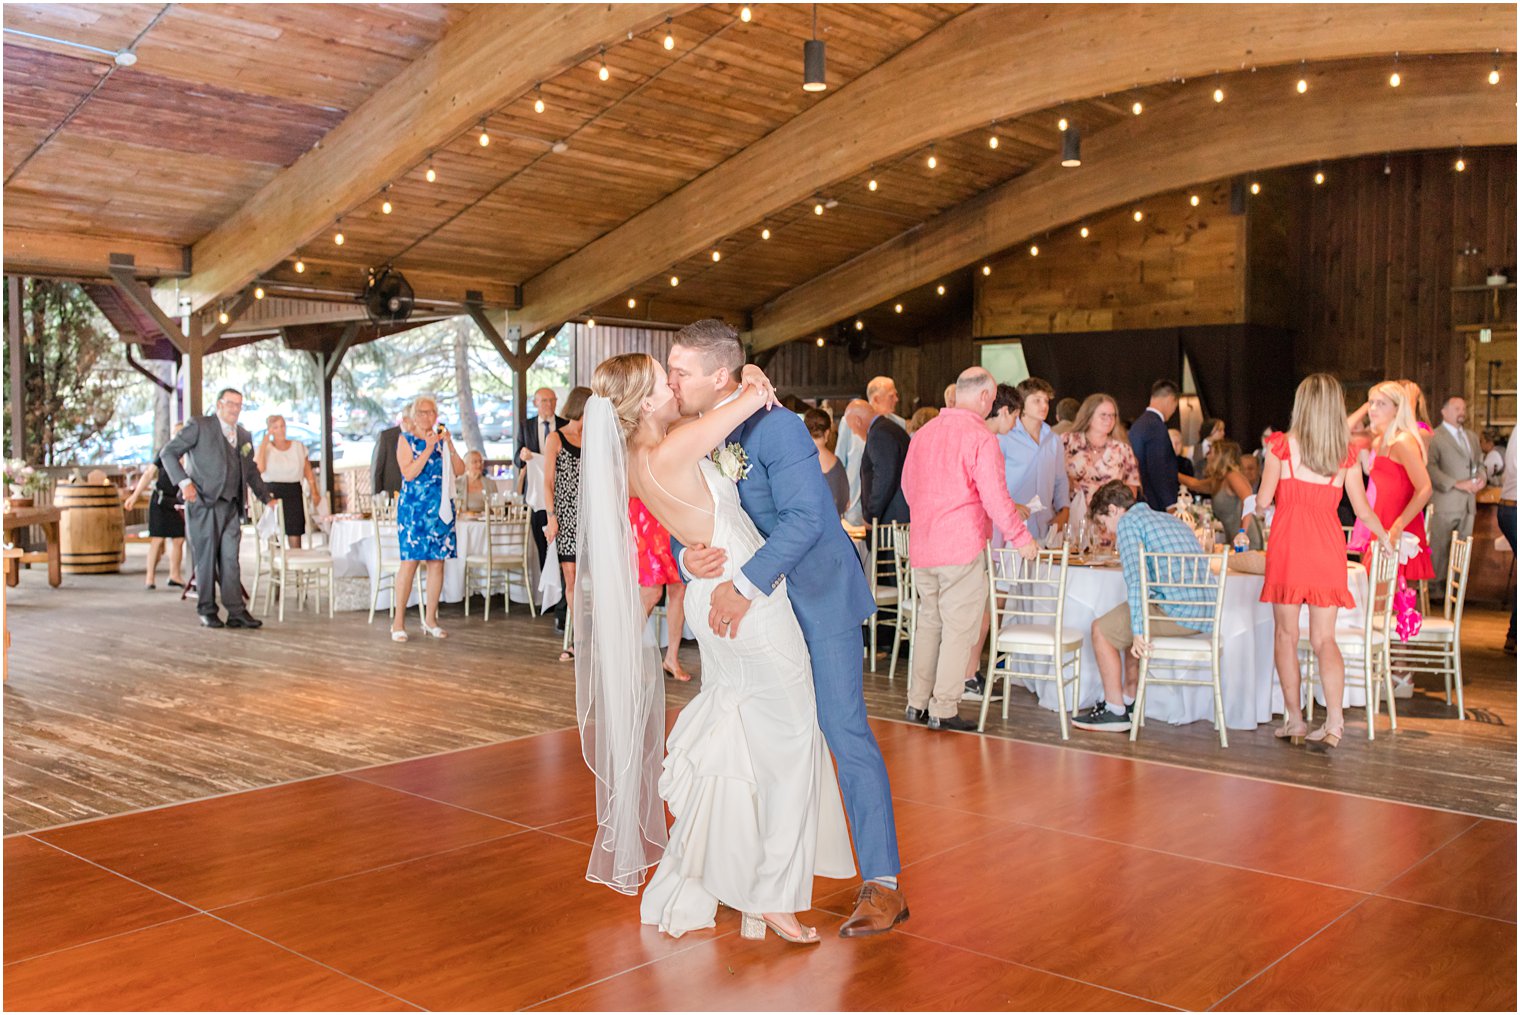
(247, 450)
(731, 461)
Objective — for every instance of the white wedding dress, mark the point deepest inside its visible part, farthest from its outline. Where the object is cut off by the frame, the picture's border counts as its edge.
(747, 775)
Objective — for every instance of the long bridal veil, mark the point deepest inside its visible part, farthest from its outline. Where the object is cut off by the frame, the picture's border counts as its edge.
(619, 693)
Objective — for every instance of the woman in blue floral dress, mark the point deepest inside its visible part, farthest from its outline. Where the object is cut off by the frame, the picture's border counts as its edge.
(424, 519)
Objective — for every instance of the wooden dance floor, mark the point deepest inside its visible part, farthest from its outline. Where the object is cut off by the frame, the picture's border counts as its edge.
(1038, 877)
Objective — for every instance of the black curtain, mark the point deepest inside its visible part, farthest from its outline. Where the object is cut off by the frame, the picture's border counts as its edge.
(1122, 363)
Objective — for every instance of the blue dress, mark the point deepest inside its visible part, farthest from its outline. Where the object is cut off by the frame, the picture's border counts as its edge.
(423, 535)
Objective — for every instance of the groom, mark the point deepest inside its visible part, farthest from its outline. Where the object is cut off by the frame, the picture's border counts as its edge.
(787, 498)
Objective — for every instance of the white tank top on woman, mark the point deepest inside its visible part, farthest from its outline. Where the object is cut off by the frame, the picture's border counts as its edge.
(288, 466)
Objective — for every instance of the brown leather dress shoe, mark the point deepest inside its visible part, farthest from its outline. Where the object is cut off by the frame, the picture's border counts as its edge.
(877, 910)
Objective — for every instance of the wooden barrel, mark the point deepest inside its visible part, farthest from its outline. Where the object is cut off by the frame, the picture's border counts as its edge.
(91, 528)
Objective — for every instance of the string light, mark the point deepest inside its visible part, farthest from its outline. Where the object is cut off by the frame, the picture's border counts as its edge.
(765, 233)
(1303, 82)
(1139, 215)
(1034, 250)
(1218, 94)
(871, 184)
(590, 322)
(1255, 187)
(632, 303)
(338, 236)
(745, 15)
(670, 39)
(1062, 123)
(1137, 109)
(717, 256)
(1395, 79)
(1303, 86)
(603, 73)
(1319, 177)
(817, 207)
(820, 341)
(485, 139)
(860, 325)
(1493, 75)
(1084, 232)
(258, 292)
(992, 139)
(940, 289)
(538, 98)
(432, 175)
(986, 269)
(897, 308)
(933, 160)
(675, 280)
(300, 266)
(385, 204)
(1193, 200)
(1461, 165)
(222, 317)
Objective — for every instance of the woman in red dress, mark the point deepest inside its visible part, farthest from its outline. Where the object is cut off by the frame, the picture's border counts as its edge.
(658, 572)
(1399, 471)
(1304, 472)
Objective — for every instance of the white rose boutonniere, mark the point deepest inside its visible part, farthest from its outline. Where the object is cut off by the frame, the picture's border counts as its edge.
(247, 450)
(731, 461)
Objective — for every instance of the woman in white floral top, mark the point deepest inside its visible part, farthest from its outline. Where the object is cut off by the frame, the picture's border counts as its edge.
(1097, 451)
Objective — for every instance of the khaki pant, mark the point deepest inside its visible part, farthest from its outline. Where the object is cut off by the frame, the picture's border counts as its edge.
(1115, 628)
(952, 605)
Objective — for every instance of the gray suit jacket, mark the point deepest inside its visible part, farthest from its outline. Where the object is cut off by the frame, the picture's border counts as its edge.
(215, 466)
(1450, 465)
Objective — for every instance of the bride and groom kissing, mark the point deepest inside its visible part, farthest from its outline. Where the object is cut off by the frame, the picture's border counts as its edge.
(747, 774)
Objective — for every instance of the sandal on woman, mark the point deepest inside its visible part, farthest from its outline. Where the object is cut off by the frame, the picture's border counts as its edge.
(567, 656)
(433, 632)
(1293, 732)
(674, 671)
(1328, 735)
(752, 926)
(399, 636)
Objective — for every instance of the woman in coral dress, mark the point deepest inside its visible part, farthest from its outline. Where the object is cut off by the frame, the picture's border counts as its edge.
(1305, 471)
(1399, 472)
(658, 573)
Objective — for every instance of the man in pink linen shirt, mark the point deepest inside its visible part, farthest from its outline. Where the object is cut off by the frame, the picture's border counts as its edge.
(956, 489)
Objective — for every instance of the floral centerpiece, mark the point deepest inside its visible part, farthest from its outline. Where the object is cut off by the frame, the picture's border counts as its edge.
(24, 481)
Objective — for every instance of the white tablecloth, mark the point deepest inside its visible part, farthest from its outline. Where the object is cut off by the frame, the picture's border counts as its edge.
(352, 542)
(1247, 675)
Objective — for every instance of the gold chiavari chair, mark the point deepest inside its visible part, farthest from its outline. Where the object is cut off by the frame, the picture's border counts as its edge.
(1162, 577)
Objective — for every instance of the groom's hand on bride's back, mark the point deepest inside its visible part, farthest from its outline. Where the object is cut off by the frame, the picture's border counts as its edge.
(704, 561)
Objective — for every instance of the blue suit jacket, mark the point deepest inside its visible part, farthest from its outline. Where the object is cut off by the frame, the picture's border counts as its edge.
(789, 501)
(1158, 463)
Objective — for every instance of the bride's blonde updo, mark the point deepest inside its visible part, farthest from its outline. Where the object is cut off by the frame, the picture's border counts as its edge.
(626, 381)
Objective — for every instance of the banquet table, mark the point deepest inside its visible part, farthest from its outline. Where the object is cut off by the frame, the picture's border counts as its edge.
(1248, 679)
(352, 543)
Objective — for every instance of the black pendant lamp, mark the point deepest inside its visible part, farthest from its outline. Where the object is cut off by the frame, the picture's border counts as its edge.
(813, 79)
(1071, 147)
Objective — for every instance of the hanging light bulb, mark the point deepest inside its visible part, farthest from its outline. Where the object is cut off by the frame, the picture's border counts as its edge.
(1303, 81)
(670, 39)
(1461, 164)
(632, 303)
(675, 280)
(538, 98)
(1255, 187)
(817, 207)
(1218, 94)
(338, 236)
(940, 289)
(1062, 124)
(1139, 215)
(1034, 250)
(222, 317)
(590, 322)
(765, 233)
(745, 15)
(933, 160)
(992, 139)
(860, 325)
(432, 175)
(717, 256)
(820, 341)
(385, 205)
(258, 292)
(1071, 147)
(1319, 177)
(484, 139)
(603, 72)
(300, 266)
(1084, 232)
(897, 308)
(986, 269)
(1395, 79)
(1193, 200)
(1137, 108)
(1493, 75)
(871, 185)
(814, 77)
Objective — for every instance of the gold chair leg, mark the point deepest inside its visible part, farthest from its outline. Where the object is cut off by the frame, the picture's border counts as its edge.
(1135, 721)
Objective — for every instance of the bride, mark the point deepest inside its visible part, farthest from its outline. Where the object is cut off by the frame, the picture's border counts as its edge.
(748, 777)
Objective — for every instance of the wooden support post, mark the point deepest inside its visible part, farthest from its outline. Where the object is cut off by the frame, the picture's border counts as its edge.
(18, 371)
(328, 361)
(195, 355)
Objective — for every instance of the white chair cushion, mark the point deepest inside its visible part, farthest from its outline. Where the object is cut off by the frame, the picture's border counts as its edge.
(1037, 636)
(1436, 629)
(1192, 646)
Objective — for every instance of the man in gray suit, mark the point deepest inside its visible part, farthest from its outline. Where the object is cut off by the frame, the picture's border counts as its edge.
(1456, 472)
(221, 467)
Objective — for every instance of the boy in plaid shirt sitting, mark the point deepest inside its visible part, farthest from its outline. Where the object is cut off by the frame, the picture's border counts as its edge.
(1117, 636)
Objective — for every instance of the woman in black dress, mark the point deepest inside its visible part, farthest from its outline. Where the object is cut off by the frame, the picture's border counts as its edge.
(563, 448)
(165, 522)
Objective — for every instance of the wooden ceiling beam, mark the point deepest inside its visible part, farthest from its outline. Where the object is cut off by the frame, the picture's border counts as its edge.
(960, 76)
(81, 256)
(496, 52)
(1183, 141)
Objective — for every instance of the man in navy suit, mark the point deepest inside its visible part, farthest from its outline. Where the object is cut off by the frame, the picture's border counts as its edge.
(1153, 447)
(787, 498)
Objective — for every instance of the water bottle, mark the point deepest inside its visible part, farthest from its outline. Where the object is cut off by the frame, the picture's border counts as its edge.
(1242, 542)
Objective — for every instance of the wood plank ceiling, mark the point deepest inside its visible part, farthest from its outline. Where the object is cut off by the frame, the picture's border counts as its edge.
(224, 96)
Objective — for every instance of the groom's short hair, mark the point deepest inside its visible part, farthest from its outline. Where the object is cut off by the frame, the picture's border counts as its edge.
(716, 341)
